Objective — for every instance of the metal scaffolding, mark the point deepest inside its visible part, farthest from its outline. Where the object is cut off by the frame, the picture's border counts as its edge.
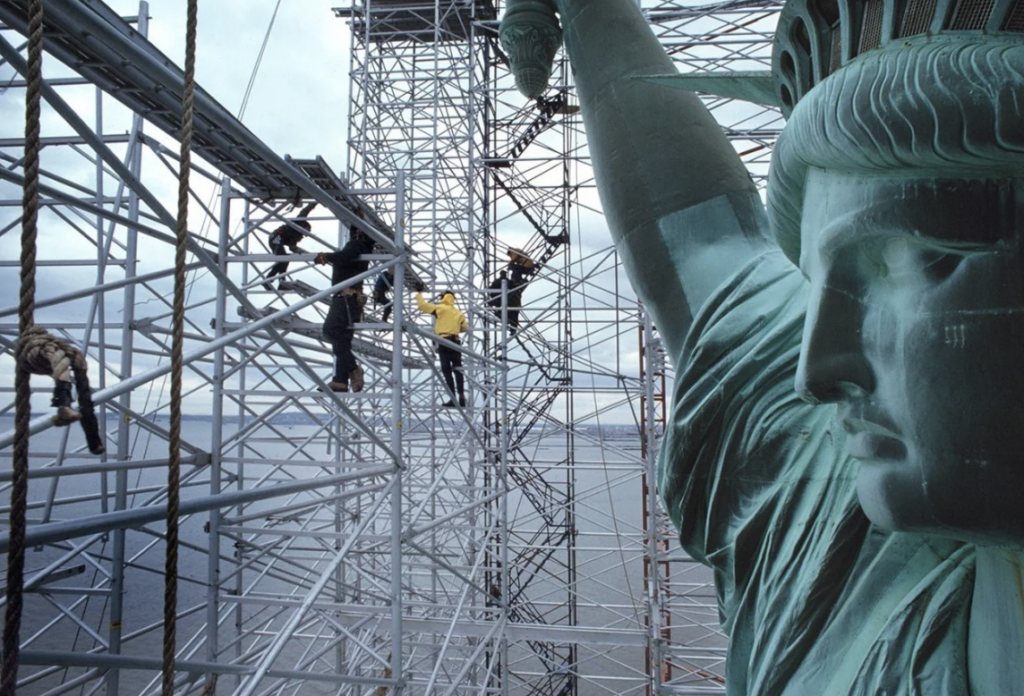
(360, 543)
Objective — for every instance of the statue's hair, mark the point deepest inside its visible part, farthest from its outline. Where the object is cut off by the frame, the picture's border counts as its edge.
(947, 104)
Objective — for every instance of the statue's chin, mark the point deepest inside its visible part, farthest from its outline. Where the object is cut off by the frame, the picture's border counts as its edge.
(895, 497)
(875, 497)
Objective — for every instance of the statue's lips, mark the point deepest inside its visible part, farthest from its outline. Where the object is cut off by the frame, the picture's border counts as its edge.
(873, 438)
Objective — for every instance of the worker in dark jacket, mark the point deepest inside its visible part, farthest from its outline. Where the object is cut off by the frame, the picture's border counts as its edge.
(520, 270)
(513, 298)
(287, 235)
(382, 287)
(346, 309)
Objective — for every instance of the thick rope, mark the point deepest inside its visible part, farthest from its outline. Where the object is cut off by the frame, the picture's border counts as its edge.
(177, 350)
(22, 392)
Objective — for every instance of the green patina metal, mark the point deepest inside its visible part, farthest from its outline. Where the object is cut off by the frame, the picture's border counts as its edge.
(865, 527)
(531, 36)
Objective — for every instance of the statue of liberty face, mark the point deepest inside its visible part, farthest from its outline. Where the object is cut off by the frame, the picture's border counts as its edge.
(915, 328)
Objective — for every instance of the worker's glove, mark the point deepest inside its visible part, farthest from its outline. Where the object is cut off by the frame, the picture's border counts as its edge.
(321, 259)
(419, 285)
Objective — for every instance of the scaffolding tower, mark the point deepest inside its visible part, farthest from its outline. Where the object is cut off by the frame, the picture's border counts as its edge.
(361, 543)
(588, 549)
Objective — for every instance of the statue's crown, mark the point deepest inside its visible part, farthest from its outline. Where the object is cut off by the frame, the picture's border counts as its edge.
(815, 38)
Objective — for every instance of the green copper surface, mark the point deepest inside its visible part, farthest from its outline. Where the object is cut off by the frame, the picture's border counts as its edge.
(843, 448)
(751, 86)
(531, 36)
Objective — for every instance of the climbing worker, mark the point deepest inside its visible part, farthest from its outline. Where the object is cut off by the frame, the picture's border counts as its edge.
(287, 235)
(384, 284)
(41, 353)
(449, 322)
(495, 300)
(346, 309)
(520, 270)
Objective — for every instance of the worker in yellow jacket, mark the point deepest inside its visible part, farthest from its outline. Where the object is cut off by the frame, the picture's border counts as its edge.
(449, 322)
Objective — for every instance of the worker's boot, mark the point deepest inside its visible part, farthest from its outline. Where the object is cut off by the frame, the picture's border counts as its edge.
(338, 386)
(356, 378)
(63, 399)
(462, 400)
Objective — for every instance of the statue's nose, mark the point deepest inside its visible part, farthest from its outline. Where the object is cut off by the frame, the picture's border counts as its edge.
(833, 366)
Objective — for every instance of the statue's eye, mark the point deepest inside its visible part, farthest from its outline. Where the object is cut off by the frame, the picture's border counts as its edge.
(903, 260)
(897, 256)
(890, 258)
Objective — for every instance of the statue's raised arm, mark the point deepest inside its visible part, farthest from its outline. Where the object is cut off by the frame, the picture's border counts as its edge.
(682, 209)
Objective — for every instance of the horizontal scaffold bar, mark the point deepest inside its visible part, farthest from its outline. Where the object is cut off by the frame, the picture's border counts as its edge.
(107, 661)
(125, 519)
(103, 396)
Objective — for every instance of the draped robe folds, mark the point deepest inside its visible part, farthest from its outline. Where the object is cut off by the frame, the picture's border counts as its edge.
(815, 599)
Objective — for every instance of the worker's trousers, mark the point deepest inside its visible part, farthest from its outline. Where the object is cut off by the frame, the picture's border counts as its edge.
(451, 361)
(277, 248)
(338, 328)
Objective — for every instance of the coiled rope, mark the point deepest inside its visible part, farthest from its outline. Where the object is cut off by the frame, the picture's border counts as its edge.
(26, 320)
(177, 350)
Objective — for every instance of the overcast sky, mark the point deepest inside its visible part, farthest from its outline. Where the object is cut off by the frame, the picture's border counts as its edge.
(298, 106)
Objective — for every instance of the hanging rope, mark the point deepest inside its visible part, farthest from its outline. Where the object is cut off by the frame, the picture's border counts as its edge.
(22, 393)
(177, 350)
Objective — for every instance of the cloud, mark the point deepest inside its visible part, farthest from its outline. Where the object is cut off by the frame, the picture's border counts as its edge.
(230, 36)
(299, 106)
(299, 102)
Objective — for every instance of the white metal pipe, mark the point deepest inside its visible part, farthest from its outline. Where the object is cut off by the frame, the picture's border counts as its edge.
(124, 453)
(503, 483)
(104, 467)
(217, 438)
(39, 535)
(42, 423)
(284, 635)
(398, 289)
